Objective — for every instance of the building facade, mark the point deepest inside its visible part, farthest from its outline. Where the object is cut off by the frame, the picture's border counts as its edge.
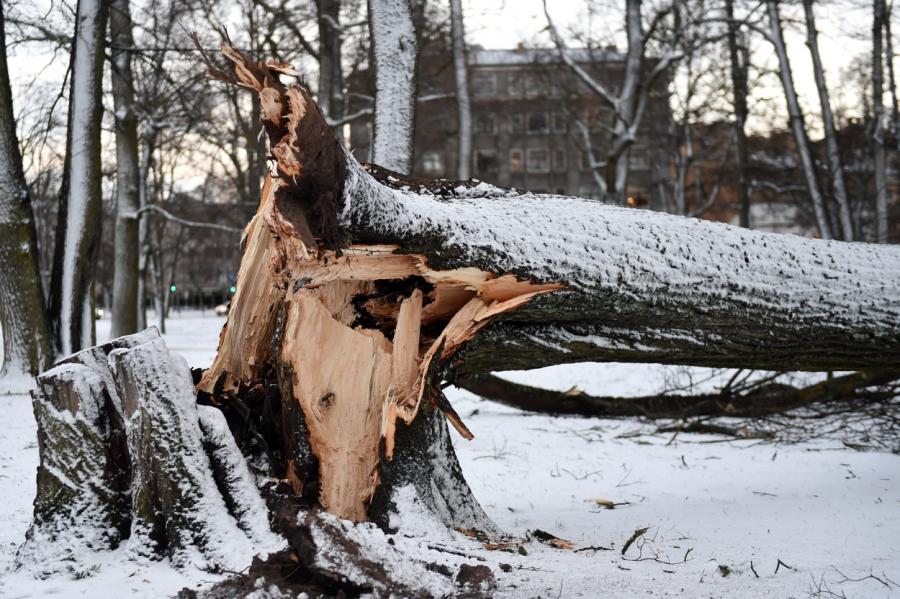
(529, 118)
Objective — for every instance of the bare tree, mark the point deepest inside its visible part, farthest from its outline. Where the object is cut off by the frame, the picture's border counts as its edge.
(775, 35)
(395, 54)
(23, 318)
(71, 299)
(738, 55)
(629, 103)
(464, 107)
(331, 74)
(834, 154)
(878, 137)
(127, 242)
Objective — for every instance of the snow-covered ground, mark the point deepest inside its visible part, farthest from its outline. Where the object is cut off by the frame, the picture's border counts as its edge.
(711, 505)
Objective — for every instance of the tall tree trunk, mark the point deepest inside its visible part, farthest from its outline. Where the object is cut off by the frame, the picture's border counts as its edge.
(331, 74)
(127, 242)
(395, 55)
(776, 37)
(834, 154)
(71, 287)
(892, 82)
(878, 141)
(464, 107)
(739, 94)
(23, 317)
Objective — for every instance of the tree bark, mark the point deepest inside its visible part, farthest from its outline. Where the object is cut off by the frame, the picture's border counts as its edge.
(23, 317)
(331, 74)
(395, 55)
(878, 141)
(127, 243)
(71, 297)
(831, 142)
(464, 107)
(776, 37)
(739, 94)
(757, 402)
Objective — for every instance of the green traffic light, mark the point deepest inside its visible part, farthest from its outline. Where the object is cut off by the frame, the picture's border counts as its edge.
(173, 288)
(233, 289)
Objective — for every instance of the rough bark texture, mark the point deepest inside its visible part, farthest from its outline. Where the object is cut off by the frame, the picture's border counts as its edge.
(23, 318)
(84, 475)
(126, 454)
(395, 55)
(71, 297)
(125, 275)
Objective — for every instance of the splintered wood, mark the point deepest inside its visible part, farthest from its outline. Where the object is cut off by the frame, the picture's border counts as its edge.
(365, 330)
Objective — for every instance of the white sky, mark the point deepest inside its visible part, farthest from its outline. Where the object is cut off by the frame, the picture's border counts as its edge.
(844, 36)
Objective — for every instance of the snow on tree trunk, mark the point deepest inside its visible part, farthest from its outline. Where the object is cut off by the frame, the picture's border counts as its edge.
(83, 480)
(776, 37)
(834, 154)
(878, 141)
(127, 248)
(460, 70)
(71, 297)
(127, 455)
(395, 54)
(23, 318)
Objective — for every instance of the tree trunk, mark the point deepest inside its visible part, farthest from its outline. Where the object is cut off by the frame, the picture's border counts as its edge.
(71, 286)
(331, 74)
(464, 107)
(739, 93)
(23, 318)
(834, 154)
(878, 141)
(776, 37)
(127, 244)
(395, 55)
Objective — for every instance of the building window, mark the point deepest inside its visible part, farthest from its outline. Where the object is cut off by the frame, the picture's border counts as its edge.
(486, 123)
(515, 87)
(432, 163)
(484, 84)
(517, 123)
(516, 161)
(485, 161)
(558, 121)
(538, 161)
(559, 160)
(532, 85)
(538, 123)
(638, 161)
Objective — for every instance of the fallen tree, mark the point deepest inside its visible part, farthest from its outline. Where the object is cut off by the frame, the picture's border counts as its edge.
(360, 291)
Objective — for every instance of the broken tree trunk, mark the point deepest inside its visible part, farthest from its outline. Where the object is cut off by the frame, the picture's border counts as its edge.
(360, 290)
(125, 454)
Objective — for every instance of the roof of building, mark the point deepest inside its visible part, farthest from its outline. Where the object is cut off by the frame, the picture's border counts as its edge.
(524, 56)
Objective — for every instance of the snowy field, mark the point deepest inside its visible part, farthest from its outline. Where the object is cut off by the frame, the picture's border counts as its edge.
(716, 510)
